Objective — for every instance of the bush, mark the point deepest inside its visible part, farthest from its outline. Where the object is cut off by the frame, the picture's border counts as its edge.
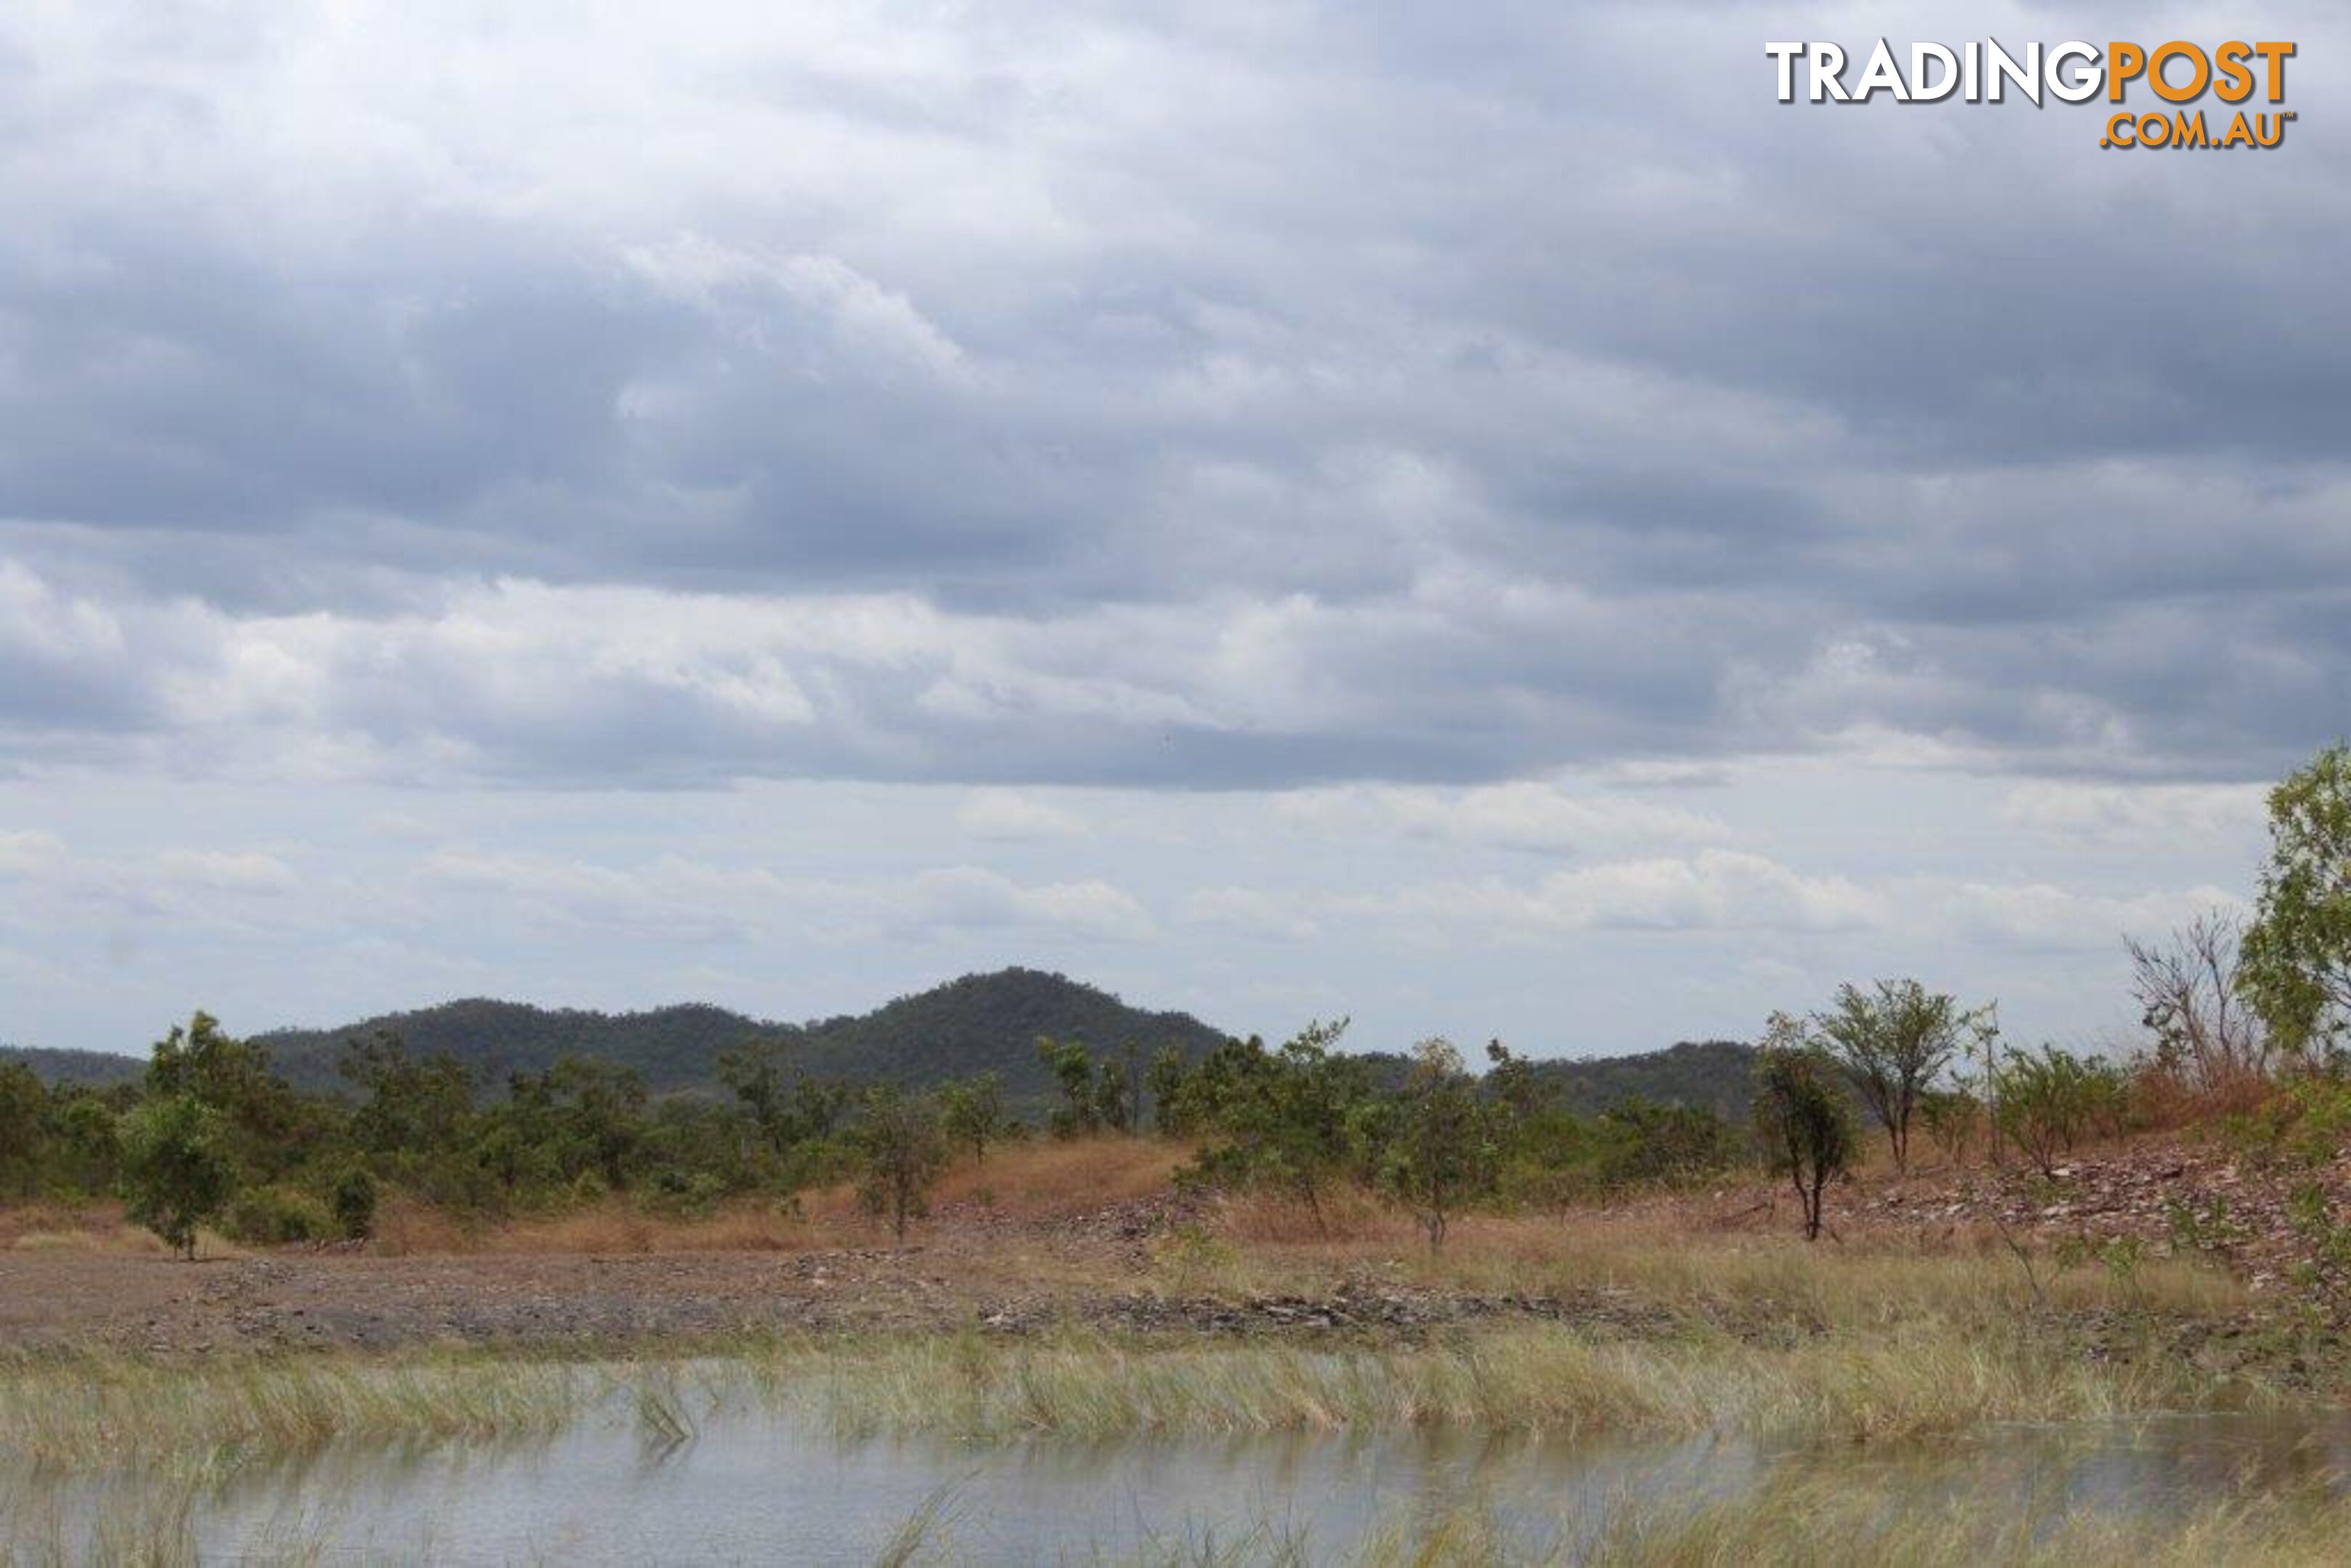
(1644, 1142)
(2302, 1128)
(1805, 1125)
(353, 1201)
(1952, 1118)
(276, 1215)
(682, 1194)
(177, 1168)
(2046, 1101)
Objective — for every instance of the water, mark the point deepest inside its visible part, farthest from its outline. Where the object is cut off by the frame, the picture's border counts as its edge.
(754, 1484)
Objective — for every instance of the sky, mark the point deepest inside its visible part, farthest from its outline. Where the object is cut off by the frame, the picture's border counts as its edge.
(1477, 520)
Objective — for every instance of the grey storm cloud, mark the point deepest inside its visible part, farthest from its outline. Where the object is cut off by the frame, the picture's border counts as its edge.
(1253, 398)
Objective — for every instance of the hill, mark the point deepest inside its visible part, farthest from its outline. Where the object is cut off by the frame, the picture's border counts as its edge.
(91, 1069)
(979, 1023)
(1718, 1074)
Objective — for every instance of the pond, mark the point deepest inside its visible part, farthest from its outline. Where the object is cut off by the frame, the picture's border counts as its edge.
(742, 1481)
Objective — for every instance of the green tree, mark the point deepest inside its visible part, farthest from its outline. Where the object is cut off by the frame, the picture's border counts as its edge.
(23, 1110)
(1286, 1119)
(971, 1111)
(91, 1141)
(1894, 1042)
(270, 1129)
(1165, 1080)
(177, 1170)
(902, 1151)
(1803, 1122)
(788, 1106)
(1072, 1066)
(1439, 1155)
(353, 1200)
(1118, 1090)
(2296, 958)
(2047, 1101)
(408, 1107)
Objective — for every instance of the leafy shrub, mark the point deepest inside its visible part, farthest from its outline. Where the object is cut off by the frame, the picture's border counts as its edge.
(276, 1215)
(177, 1170)
(684, 1195)
(1642, 1142)
(1952, 1118)
(2301, 1128)
(2046, 1102)
(1804, 1123)
(353, 1201)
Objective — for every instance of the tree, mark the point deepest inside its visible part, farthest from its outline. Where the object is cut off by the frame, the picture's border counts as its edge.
(1439, 1154)
(91, 1140)
(789, 1107)
(1165, 1080)
(972, 1112)
(2191, 992)
(1118, 1090)
(24, 1106)
(2046, 1101)
(1893, 1044)
(1283, 1119)
(353, 1202)
(269, 1128)
(1803, 1122)
(2297, 953)
(901, 1153)
(1072, 1066)
(177, 1171)
(411, 1107)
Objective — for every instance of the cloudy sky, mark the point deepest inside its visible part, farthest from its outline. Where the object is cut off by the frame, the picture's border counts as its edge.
(1474, 518)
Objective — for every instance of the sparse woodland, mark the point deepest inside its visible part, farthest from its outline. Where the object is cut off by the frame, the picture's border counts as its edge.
(2243, 1043)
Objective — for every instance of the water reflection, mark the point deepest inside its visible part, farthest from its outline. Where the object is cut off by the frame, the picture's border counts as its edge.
(719, 1475)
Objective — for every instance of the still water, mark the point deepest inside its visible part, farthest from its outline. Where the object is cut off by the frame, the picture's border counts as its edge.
(749, 1483)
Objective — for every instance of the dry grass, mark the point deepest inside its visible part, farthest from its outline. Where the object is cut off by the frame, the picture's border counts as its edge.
(84, 1228)
(612, 1227)
(1907, 1383)
(1825, 1522)
(1655, 1260)
(1045, 1178)
(1042, 1180)
(1900, 1382)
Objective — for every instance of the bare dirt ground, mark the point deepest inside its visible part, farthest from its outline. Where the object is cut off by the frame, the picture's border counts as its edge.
(988, 1275)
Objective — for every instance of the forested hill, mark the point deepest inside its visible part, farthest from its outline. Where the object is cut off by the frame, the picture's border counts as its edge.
(88, 1069)
(976, 1024)
(1716, 1074)
(971, 1024)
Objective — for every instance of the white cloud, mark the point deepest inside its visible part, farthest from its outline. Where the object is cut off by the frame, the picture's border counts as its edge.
(24, 853)
(2045, 916)
(2143, 813)
(1250, 912)
(226, 871)
(681, 898)
(1714, 890)
(1011, 816)
(1525, 814)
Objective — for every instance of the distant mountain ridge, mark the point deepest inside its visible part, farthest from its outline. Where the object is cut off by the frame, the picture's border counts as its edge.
(976, 1024)
(1715, 1075)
